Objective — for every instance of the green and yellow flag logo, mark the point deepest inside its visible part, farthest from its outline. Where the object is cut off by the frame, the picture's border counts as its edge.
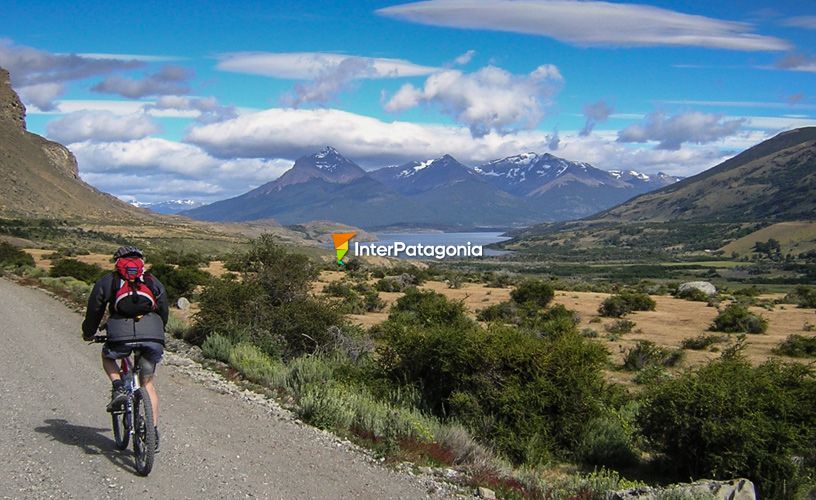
(341, 245)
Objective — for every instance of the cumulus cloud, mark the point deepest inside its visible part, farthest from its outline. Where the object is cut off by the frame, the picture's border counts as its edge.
(163, 168)
(39, 76)
(311, 65)
(100, 126)
(206, 109)
(170, 80)
(291, 133)
(595, 113)
(490, 99)
(671, 132)
(589, 23)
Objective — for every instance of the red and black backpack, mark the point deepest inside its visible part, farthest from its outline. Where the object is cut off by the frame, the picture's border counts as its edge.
(132, 296)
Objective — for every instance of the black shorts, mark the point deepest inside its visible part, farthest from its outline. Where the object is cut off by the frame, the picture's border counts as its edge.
(151, 353)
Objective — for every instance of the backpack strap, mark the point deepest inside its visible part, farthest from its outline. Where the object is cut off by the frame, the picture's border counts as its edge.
(114, 288)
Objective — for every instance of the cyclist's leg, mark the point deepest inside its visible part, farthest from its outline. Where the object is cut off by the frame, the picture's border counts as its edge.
(111, 368)
(151, 355)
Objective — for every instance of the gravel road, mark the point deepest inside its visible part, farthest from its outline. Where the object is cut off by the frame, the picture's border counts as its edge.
(55, 436)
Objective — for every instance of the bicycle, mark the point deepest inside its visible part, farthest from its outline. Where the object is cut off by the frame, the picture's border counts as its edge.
(135, 416)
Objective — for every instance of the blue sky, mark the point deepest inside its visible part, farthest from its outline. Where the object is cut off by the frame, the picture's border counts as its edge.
(206, 100)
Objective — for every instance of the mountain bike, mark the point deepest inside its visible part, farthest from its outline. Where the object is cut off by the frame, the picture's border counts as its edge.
(134, 418)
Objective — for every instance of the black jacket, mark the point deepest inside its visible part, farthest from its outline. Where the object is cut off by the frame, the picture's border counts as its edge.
(120, 329)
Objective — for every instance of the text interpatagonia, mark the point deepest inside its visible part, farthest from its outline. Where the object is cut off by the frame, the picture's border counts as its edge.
(399, 248)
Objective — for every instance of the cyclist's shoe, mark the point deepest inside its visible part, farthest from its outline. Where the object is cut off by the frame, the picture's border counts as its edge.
(118, 397)
(156, 450)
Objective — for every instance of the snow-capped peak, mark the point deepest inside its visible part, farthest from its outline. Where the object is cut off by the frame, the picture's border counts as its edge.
(408, 172)
(327, 151)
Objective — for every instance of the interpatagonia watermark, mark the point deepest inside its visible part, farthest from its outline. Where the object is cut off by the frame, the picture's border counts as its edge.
(402, 249)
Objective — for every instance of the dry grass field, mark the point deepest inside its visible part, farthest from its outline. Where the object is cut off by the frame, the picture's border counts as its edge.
(672, 321)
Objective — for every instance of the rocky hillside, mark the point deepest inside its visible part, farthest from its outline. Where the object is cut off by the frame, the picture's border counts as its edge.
(39, 178)
(772, 181)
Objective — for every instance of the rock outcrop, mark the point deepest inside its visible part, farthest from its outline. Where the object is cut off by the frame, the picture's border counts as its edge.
(737, 489)
(704, 286)
(12, 109)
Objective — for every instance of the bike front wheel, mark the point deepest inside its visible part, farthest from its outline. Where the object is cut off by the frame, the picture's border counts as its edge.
(144, 433)
(121, 427)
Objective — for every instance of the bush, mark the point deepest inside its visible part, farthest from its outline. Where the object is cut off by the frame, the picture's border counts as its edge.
(701, 342)
(620, 305)
(736, 318)
(609, 439)
(399, 283)
(693, 294)
(13, 256)
(503, 312)
(88, 273)
(179, 281)
(530, 397)
(805, 296)
(797, 346)
(729, 419)
(533, 292)
(647, 353)
(254, 364)
(217, 347)
(428, 308)
(620, 326)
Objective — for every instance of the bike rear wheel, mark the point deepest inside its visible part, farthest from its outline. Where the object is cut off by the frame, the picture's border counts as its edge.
(144, 433)
(121, 427)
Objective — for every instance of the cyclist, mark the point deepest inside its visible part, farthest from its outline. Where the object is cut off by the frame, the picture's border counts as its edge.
(138, 308)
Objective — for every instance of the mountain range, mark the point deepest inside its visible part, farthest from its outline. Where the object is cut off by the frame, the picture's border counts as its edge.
(440, 193)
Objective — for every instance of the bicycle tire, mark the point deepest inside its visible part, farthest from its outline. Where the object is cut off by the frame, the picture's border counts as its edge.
(144, 435)
(121, 430)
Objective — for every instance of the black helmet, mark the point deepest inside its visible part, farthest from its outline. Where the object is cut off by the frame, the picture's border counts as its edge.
(127, 251)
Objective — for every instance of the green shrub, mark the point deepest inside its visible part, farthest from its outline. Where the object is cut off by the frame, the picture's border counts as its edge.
(797, 346)
(533, 292)
(501, 279)
(804, 296)
(729, 419)
(620, 305)
(701, 342)
(504, 312)
(693, 294)
(530, 397)
(254, 364)
(620, 326)
(647, 353)
(609, 439)
(179, 281)
(589, 333)
(400, 283)
(88, 273)
(651, 374)
(217, 347)
(13, 256)
(736, 318)
(427, 308)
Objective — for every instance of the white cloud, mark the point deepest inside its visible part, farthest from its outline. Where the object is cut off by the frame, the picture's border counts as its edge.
(208, 109)
(490, 99)
(464, 58)
(100, 126)
(170, 80)
(290, 133)
(311, 65)
(158, 166)
(589, 23)
(671, 132)
(42, 95)
(796, 62)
